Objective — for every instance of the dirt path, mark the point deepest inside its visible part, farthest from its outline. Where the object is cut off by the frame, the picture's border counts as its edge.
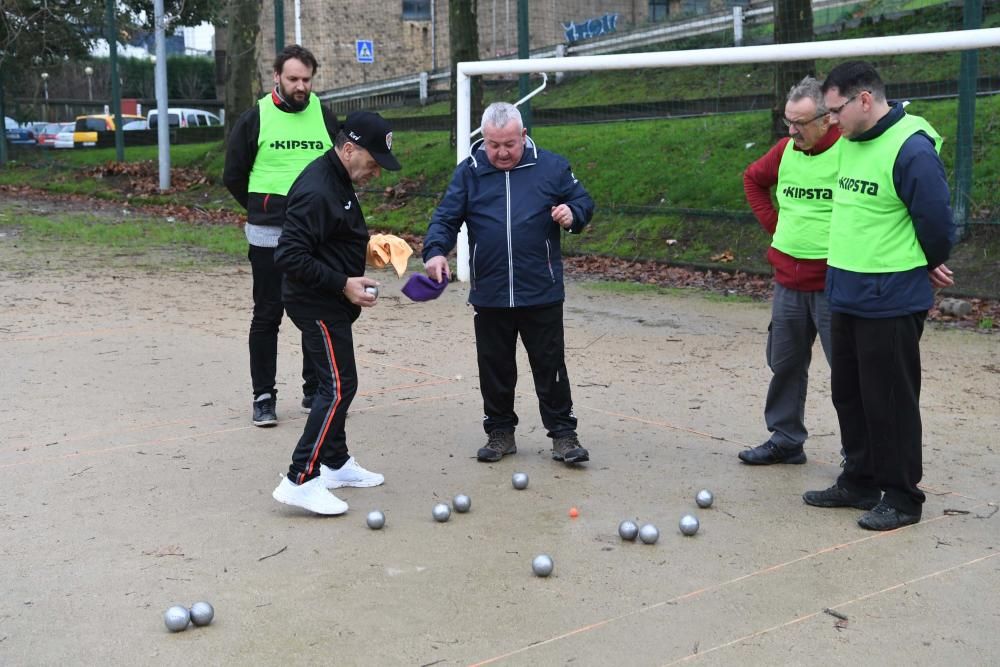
(133, 480)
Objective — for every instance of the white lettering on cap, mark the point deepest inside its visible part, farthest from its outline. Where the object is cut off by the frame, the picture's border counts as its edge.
(388, 140)
(354, 135)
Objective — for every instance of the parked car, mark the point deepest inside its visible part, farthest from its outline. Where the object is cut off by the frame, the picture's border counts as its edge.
(87, 127)
(47, 136)
(183, 117)
(65, 139)
(16, 134)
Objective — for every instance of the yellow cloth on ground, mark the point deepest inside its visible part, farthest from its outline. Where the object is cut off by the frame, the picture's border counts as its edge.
(388, 249)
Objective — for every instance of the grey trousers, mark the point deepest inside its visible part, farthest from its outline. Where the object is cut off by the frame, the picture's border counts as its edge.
(796, 318)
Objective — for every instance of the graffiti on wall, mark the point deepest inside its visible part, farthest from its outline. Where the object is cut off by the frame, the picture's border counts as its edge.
(602, 25)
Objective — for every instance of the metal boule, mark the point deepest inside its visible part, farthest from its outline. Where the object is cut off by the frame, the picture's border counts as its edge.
(202, 613)
(705, 498)
(649, 534)
(373, 290)
(519, 480)
(462, 503)
(375, 519)
(542, 565)
(441, 512)
(628, 530)
(176, 618)
(689, 524)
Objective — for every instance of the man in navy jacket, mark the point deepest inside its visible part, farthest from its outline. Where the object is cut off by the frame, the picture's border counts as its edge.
(891, 231)
(516, 200)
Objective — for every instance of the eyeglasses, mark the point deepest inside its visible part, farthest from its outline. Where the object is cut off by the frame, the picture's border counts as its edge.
(802, 123)
(850, 99)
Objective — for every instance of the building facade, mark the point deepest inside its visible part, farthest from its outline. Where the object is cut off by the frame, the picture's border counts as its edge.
(360, 41)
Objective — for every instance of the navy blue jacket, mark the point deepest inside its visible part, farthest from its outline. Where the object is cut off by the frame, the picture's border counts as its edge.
(920, 182)
(514, 245)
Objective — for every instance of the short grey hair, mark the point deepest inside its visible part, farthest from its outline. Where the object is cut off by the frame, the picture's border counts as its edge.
(499, 114)
(808, 88)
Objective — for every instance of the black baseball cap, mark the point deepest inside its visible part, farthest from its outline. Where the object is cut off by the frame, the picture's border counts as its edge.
(372, 132)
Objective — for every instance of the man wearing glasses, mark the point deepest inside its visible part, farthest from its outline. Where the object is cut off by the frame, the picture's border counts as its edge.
(802, 169)
(890, 232)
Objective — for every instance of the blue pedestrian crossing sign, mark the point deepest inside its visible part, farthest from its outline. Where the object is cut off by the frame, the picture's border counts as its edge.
(365, 49)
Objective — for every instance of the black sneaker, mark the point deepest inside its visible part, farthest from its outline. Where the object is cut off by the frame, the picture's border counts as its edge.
(498, 445)
(770, 453)
(264, 411)
(568, 450)
(886, 517)
(837, 496)
(307, 403)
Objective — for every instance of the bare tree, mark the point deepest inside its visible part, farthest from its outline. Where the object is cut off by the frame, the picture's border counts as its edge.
(463, 36)
(793, 22)
(243, 85)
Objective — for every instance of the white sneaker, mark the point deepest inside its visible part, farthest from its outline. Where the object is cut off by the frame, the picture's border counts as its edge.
(311, 496)
(350, 474)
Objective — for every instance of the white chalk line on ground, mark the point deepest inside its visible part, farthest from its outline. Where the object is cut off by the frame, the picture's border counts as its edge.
(842, 605)
(736, 580)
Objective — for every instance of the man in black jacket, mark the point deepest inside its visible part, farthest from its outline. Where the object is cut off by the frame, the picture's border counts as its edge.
(268, 147)
(322, 255)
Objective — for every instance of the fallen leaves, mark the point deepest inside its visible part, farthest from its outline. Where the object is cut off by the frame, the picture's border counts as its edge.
(143, 178)
(665, 275)
(724, 256)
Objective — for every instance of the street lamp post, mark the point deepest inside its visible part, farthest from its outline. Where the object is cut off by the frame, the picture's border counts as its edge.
(89, 71)
(45, 93)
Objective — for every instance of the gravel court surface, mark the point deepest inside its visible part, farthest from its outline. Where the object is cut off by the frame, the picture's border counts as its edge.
(135, 481)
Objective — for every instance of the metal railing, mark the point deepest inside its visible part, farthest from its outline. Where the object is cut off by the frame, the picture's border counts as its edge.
(403, 86)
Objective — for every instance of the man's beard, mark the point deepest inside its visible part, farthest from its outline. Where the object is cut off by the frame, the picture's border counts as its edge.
(290, 100)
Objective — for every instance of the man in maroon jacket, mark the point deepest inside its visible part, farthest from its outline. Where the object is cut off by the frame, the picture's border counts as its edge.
(803, 170)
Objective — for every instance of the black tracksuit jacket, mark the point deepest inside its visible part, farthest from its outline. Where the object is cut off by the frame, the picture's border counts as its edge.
(323, 242)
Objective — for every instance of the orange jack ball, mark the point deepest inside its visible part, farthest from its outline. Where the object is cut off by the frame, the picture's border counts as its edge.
(574, 512)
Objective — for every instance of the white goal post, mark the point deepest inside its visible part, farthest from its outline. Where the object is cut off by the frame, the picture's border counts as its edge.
(959, 40)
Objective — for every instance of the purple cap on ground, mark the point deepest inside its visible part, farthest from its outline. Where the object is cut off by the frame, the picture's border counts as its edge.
(423, 288)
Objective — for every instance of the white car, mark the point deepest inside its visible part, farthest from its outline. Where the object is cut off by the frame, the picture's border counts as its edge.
(65, 138)
(184, 118)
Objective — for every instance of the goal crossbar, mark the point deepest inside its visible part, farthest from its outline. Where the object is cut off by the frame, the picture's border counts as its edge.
(959, 40)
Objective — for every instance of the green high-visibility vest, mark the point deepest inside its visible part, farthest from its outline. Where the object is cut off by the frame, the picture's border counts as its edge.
(805, 201)
(871, 230)
(286, 143)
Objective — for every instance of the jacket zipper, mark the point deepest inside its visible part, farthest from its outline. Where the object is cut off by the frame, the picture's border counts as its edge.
(510, 249)
(548, 259)
(475, 249)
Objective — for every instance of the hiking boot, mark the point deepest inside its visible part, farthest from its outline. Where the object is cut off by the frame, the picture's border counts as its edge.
(886, 517)
(770, 453)
(837, 496)
(264, 410)
(498, 445)
(307, 403)
(568, 450)
(311, 495)
(349, 474)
